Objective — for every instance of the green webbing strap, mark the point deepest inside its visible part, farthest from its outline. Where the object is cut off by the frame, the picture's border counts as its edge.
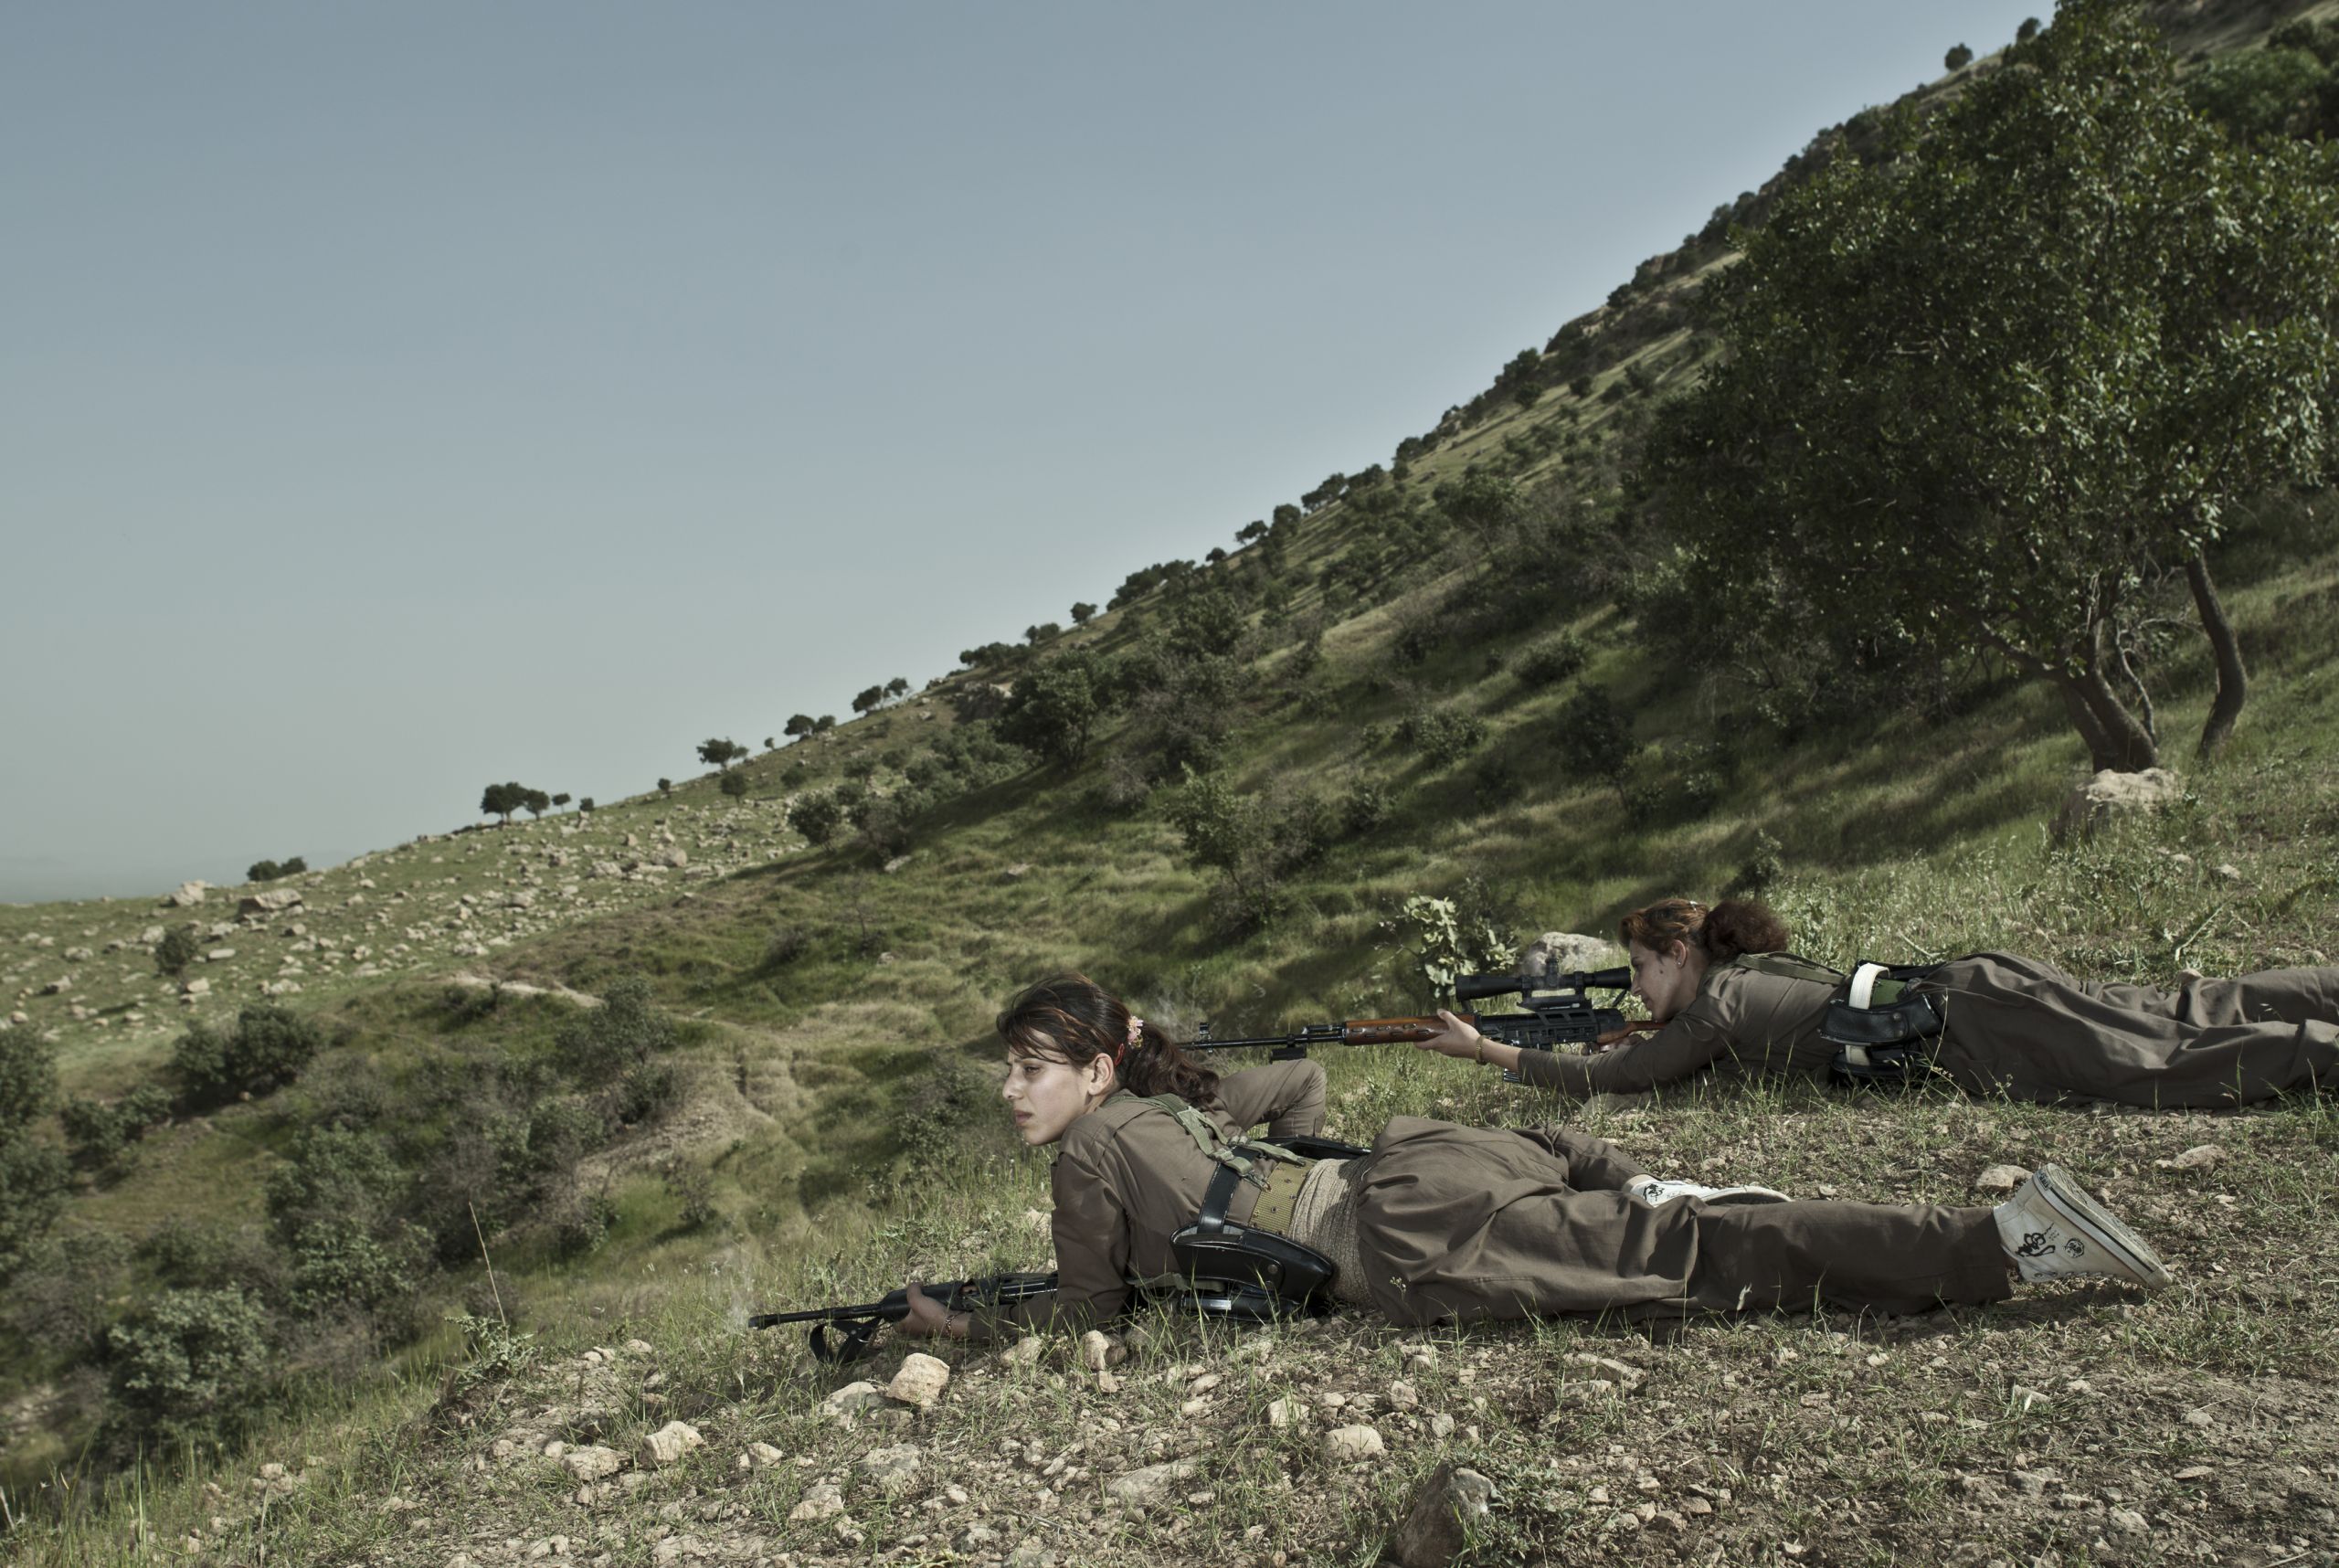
(1786, 966)
(1239, 1155)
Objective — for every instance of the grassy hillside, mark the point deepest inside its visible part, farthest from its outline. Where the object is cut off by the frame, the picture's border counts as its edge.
(1403, 714)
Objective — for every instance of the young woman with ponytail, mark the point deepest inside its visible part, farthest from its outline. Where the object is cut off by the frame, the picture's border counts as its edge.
(1731, 1003)
(1446, 1224)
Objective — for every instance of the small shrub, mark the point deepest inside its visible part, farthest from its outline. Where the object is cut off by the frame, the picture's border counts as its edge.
(1442, 736)
(1763, 867)
(786, 944)
(580, 1223)
(188, 1366)
(271, 871)
(1366, 807)
(1551, 660)
(734, 785)
(177, 950)
(97, 1133)
(600, 1045)
(62, 1298)
(267, 1048)
(693, 1191)
(817, 817)
(1495, 780)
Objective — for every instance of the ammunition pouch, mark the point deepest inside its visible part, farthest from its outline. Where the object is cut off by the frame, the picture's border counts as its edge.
(1884, 1030)
(1244, 1272)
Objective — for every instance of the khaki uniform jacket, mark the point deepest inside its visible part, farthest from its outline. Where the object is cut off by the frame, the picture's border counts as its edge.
(1127, 1177)
(2013, 1027)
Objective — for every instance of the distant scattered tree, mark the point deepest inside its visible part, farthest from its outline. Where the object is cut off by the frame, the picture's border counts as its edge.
(561, 799)
(722, 753)
(177, 950)
(1053, 708)
(666, 786)
(734, 785)
(263, 871)
(1958, 57)
(1082, 613)
(797, 725)
(1286, 515)
(1215, 554)
(1045, 631)
(771, 743)
(1581, 385)
(536, 801)
(268, 1047)
(1257, 529)
(899, 686)
(502, 799)
(585, 803)
(2027, 31)
(817, 817)
(868, 699)
(824, 724)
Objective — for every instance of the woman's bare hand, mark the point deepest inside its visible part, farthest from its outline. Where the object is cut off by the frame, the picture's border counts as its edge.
(927, 1318)
(1457, 1038)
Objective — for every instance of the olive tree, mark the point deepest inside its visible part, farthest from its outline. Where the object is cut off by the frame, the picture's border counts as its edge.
(1979, 394)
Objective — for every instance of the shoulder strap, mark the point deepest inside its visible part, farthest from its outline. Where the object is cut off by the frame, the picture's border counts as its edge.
(1786, 966)
(1245, 1158)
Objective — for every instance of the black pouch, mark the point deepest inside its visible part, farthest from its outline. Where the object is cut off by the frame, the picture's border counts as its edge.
(1890, 1046)
(1238, 1272)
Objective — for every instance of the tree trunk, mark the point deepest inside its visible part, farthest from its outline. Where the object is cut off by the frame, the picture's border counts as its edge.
(2114, 738)
(2233, 679)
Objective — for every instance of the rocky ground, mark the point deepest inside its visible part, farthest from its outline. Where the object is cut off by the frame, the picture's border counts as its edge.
(83, 973)
(2078, 1424)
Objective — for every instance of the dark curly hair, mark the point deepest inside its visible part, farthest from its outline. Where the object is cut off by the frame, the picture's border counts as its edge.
(1732, 927)
(1071, 1018)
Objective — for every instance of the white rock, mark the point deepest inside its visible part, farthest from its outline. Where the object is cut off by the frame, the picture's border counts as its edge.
(187, 894)
(763, 1455)
(2200, 1157)
(668, 1444)
(1143, 1488)
(2112, 794)
(2129, 1520)
(920, 1381)
(2001, 1179)
(1436, 1526)
(1567, 952)
(1344, 1445)
(821, 1500)
(195, 988)
(892, 1468)
(590, 1464)
(1099, 1351)
(1287, 1412)
(853, 1398)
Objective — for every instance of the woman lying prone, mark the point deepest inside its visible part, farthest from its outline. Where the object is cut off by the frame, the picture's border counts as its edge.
(1442, 1224)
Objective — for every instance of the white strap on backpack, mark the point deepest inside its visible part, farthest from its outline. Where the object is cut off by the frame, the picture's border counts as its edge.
(1864, 979)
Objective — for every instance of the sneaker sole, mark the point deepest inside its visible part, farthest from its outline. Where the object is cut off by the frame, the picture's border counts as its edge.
(2092, 1220)
(1750, 1195)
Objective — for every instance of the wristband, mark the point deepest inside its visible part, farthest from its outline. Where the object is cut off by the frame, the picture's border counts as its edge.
(1478, 1052)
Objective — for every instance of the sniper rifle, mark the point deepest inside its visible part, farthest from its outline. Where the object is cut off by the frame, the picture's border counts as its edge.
(1558, 1012)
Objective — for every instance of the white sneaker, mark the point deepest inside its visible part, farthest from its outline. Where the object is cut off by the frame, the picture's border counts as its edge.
(2053, 1230)
(1653, 1191)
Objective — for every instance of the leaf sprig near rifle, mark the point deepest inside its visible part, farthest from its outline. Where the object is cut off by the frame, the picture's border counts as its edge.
(1559, 1012)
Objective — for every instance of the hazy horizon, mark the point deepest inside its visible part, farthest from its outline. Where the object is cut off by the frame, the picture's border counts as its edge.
(404, 400)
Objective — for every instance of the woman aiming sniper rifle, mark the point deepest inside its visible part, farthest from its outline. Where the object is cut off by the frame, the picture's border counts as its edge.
(1446, 1224)
(1729, 1001)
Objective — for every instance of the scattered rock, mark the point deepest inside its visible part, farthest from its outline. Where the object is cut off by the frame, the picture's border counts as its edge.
(1144, 1487)
(218, 954)
(1345, 1444)
(853, 1398)
(1441, 1426)
(590, 1464)
(1018, 872)
(195, 988)
(520, 899)
(1442, 1510)
(675, 858)
(271, 902)
(2200, 1157)
(2001, 1179)
(2129, 1520)
(822, 1499)
(2112, 794)
(1567, 952)
(1286, 1412)
(920, 1381)
(1099, 1349)
(891, 1468)
(59, 986)
(763, 1455)
(2023, 1398)
(188, 895)
(2229, 872)
(668, 1444)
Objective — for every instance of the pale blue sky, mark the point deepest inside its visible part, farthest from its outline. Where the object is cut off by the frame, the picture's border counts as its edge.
(398, 397)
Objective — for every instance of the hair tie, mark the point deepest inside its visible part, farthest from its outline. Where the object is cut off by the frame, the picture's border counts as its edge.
(1136, 1032)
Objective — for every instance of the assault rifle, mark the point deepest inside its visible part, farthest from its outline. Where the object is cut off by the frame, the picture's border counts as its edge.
(1560, 1012)
(854, 1327)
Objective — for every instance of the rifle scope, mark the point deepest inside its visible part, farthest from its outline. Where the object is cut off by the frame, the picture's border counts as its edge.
(1470, 987)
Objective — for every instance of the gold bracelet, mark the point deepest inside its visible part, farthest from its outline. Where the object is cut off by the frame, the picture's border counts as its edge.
(1479, 1053)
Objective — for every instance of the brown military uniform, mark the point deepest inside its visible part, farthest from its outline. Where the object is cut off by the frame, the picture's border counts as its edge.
(1458, 1223)
(2012, 1026)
